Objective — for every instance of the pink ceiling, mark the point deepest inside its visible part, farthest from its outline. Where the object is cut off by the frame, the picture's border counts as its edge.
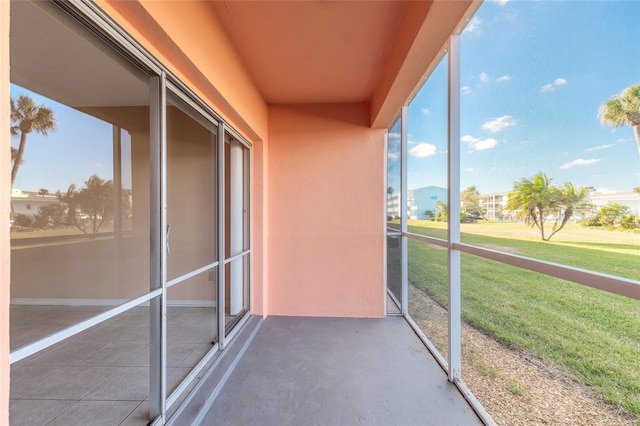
(313, 51)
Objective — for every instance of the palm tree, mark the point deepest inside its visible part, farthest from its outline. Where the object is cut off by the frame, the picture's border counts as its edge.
(535, 198)
(623, 109)
(571, 200)
(68, 199)
(95, 200)
(89, 207)
(27, 117)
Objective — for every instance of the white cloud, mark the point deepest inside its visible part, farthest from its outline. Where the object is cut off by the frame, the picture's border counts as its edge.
(470, 169)
(425, 111)
(579, 162)
(550, 87)
(394, 135)
(599, 147)
(477, 144)
(499, 124)
(503, 78)
(465, 90)
(393, 156)
(474, 26)
(501, 2)
(423, 150)
(483, 77)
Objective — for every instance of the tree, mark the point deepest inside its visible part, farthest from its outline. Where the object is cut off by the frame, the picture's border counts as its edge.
(636, 190)
(23, 220)
(90, 207)
(539, 201)
(68, 199)
(470, 202)
(27, 117)
(611, 214)
(50, 215)
(43, 191)
(442, 211)
(623, 109)
(534, 199)
(571, 201)
(629, 221)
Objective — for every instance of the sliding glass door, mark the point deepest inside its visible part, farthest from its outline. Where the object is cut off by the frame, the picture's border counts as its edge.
(236, 263)
(130, 242)
(191, 238)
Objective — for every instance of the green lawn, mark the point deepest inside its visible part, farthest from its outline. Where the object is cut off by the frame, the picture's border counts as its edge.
(593, 334)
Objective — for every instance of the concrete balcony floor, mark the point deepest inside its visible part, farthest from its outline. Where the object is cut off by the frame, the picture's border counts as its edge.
(336, 371)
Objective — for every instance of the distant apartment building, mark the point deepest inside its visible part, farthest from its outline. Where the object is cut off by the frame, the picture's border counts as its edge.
(28, 202)
(629, 199)
(419, 201)
(494, 205)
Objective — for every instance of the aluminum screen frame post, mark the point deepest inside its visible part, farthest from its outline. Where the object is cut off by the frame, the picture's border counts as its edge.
(453, 233)
(158, 246)
(222, 130)
(404, 280)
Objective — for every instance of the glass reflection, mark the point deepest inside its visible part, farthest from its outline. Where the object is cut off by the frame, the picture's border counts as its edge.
(108, 362)
(80, 219)
(394, 243)
(236, 292)
(236, 230)
(192, 324)
(191, 190)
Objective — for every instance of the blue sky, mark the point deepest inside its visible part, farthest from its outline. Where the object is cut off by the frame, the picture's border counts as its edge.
(533, 77)
(80, 146)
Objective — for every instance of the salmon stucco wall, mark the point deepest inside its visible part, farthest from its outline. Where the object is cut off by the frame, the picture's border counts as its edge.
(201, 55)
(5, 196)
(325, 215)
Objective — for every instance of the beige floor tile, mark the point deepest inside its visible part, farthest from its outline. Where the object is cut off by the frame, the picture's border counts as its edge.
(126, 384)
(25, 378)
(95, 413)
(139, 416)
(29, 412)
(75, 383)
